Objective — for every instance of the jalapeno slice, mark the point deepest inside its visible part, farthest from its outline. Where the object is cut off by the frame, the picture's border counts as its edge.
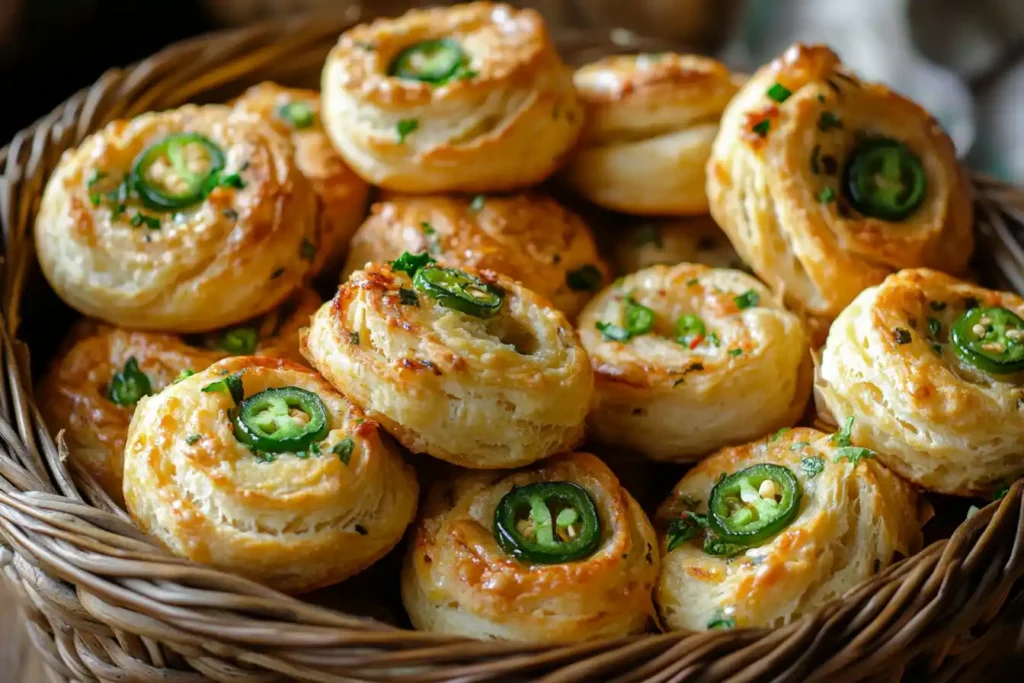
(284, 420)
(186, 187)
(430, 61)
(745, 511)
(884, 179)
(547, 523)
(127, 386)
(990, 339)
(459, 291)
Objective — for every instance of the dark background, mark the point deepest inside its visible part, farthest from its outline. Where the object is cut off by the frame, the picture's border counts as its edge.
(51, 48)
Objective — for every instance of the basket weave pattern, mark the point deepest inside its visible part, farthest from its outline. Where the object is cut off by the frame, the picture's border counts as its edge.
(104, 602)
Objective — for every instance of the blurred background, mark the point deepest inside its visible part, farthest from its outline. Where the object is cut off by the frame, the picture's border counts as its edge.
(963, 59)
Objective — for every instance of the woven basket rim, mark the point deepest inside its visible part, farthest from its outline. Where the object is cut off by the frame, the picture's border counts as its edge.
(108, 600)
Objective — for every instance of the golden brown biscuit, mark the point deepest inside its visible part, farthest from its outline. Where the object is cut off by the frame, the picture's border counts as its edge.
(944, 419)
(675, 240)
(502, 384)
(851, 519)
(296, 114)
(528, 237)
(274, 334)
(469, 98)
(294, 520)
(92, 386)
(459, 579)
(826, 184)
(651, 119)
(232, 247)
(688, 359)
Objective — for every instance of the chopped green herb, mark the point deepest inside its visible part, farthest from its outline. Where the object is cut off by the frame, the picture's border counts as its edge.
(713, 340)
(812, 465)
(612, 332)
(1001, 493)
(94, 178)
(405, 128)
(639, 318)
(798, 445)
(362, 44)
(184, 374)
(762, 127)
(937, 348)
(826, 195)
(231, 384)
(721, 621)
(683, 529)
(648, 234)
(343, 449)
(298, 114)
(307, 250)
(853, 454)
(427, 228)
(934, 328)
(777, 435)
(138, 218)
(937, 305)
(584, 279)
(129, 384)
(827, 121)
(412, 263)
(815, 168)
(692, 281)
(779, 92)
(353, 338)
(843, 436)
(408, 297)
(901, 335)
(747, 299)
(191, 439)
(240, 341)
(735, 352)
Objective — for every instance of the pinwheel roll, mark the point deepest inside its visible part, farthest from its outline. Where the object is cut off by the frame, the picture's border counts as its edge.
(761, 534)
(185, 220)
(467, 366)
(556, 553)
(930, 370)
(651, 120)
(826, 184)
(468, 98)
(260, 468)
(296, 114)
(688, 359)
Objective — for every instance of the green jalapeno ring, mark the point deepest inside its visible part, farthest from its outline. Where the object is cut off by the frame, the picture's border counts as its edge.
(546, 548)
(884, 179)
(459, 291)
(173, 147)
(429, 61)
(127, 386)
(264, 421)
(739, 515)
(987, 338)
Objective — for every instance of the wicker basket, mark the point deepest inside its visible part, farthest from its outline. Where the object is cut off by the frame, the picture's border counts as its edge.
(104, 602)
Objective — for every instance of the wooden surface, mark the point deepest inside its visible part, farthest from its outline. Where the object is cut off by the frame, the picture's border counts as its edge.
(19, 663)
